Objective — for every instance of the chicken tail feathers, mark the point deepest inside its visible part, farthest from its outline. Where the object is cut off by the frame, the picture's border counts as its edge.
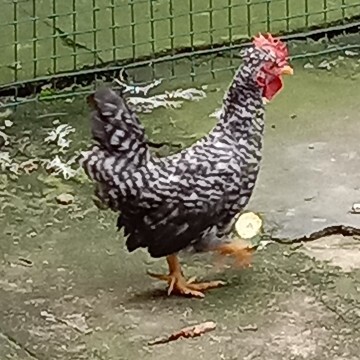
(116, 127)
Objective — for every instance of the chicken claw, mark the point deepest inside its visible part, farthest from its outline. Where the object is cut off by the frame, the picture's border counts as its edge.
(179, 285)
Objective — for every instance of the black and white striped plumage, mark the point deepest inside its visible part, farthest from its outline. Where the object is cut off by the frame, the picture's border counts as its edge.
(189, 198)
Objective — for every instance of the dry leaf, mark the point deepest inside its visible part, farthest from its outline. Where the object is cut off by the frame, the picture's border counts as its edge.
(248, 328)
(29, 166)
(75, 321)
(65, 199)
(59, 134)
(25, 262)
(187, 332)
(8, 123)
(355, 208)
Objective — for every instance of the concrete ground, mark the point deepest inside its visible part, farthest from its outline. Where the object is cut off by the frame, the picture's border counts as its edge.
(69, 290)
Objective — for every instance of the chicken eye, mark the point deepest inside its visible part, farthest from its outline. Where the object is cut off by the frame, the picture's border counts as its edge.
(280, 63)
(271, 66)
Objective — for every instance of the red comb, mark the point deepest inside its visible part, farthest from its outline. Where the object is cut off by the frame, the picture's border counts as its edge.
(267, 41)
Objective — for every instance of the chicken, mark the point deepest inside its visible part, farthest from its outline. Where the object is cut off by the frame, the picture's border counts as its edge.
(189, 199)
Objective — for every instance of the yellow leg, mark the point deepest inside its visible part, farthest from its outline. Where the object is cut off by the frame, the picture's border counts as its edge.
(179, 285)
(241, 253)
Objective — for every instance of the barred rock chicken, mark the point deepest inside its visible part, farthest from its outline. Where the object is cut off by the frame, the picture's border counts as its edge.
(188, 199)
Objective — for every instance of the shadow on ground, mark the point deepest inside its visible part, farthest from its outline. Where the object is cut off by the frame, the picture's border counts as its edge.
(69, 290)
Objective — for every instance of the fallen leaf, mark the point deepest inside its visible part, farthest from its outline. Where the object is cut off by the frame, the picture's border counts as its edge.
(248, 328)
(309, 198)
(75, 321)
(187, 332)
(29, 166)
(351, 53)
(32, 234)
(308, 66)
(65, 199)
(47, 316)
(327, 65)
(355, 208)
(317, 219)
(8, 123)
(24, 262)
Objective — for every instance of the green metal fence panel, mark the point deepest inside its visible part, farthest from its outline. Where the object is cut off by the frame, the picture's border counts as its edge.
(41, 38)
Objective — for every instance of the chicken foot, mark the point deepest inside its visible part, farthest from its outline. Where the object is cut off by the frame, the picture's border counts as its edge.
(179, 285)
(241, 253)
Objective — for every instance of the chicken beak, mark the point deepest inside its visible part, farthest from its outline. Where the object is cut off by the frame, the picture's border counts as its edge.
(287, 70)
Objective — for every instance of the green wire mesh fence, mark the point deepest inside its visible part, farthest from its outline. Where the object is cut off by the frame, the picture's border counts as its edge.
(43, 39)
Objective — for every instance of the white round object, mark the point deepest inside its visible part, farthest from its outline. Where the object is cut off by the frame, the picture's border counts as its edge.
(248, 225)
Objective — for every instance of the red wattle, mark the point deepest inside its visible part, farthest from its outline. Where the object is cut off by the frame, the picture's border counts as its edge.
(272, 88)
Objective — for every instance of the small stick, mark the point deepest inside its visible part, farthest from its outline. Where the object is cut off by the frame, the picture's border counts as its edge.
(187, 332)
(43, 116)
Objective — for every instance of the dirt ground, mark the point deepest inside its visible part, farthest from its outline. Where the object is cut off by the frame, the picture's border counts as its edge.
(69, 290)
